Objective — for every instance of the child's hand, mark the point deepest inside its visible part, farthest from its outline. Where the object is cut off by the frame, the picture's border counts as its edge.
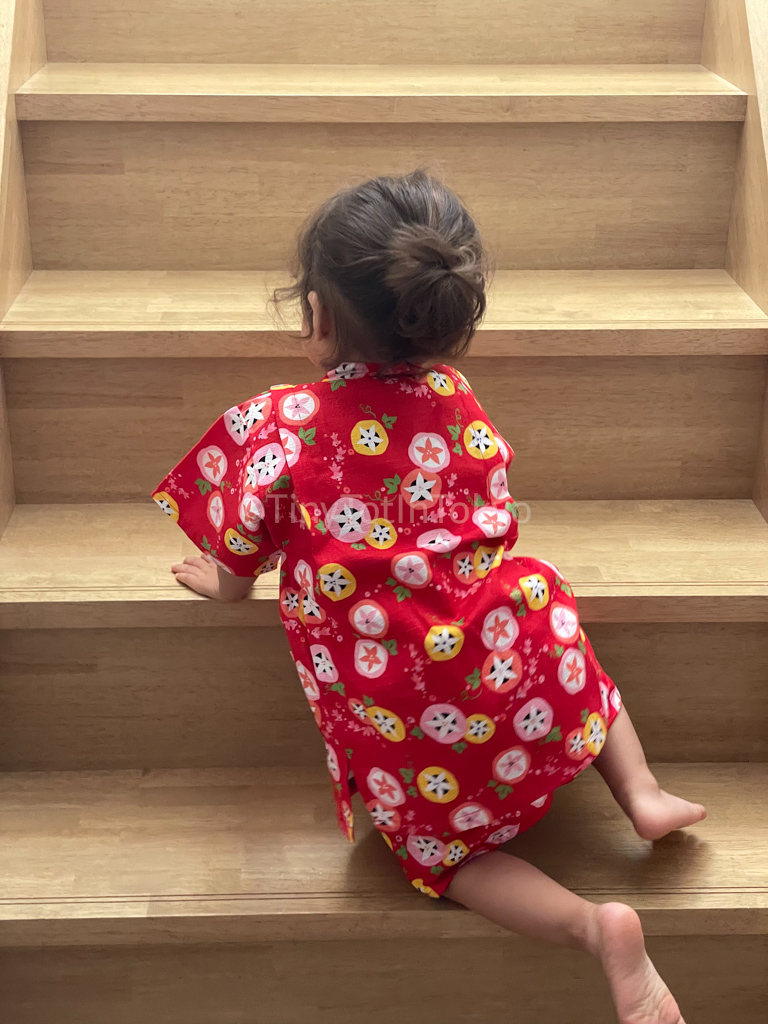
(199, 573)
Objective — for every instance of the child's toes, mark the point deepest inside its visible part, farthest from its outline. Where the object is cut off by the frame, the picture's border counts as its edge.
(656, 815)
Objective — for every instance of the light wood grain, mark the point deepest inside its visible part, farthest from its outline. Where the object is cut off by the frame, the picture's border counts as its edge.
(22, 52)
(392, 31)
(737, 41)
(736, 47)
(174, 698)
(135, 196)
(667, 427)
(378, 92)
(106, 557)
(133, 853)
(715, 978)
(548, 313)
(7, 489)
(107, 565)
(75, 699)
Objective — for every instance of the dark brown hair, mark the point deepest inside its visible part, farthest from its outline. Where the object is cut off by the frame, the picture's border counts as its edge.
(399, 267)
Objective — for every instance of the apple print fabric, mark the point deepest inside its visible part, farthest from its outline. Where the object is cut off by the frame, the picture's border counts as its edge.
(451, 681)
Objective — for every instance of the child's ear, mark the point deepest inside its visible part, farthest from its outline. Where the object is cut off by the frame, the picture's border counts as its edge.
(321, 326)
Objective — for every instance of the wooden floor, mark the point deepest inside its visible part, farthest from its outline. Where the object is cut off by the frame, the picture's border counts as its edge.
(88, 565)
(213, 855)
(161, 314)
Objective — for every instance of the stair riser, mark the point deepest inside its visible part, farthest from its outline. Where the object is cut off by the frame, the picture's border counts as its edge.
(667, 427)
(116, 196)
(490, 341)
(385, 31)
(175, 698)
(715, 978)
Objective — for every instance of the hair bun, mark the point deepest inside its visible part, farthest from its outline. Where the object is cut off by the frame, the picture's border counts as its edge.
(419, 246)
(438, 287)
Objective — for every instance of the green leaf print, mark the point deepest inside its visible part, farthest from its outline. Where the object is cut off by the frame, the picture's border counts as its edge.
(473, 679)
(392, 483)
(412, 791)
(307, 436)
(206, 544)
(457, 449)
(338, 688)
(521, 612)
(459, 747)
(321, 527)
(584, 716)
(552, 737)
(454, 430)
(369, 702)
(283, 574)
(337, 383)
(204, 486)
(357, 546)
(511, 507)
(281, 483)
(516, 595)
(479, 501)
(559, 650)
(438, 869)
(417, 732)
(582, 647)
(401, 592)
(502, 792)
(491, 784)
(391, 645)
(402, 852)
(389, 421)
(406, 774)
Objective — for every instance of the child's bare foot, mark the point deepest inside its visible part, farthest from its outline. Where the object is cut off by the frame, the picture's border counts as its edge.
(640, 995)
(655, 813)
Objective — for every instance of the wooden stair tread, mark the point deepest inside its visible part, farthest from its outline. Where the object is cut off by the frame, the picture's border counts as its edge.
(392, 93)
(600, 312)
(91, 565)
(210, 854)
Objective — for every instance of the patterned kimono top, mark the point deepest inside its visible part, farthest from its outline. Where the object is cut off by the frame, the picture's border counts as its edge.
(451, 681)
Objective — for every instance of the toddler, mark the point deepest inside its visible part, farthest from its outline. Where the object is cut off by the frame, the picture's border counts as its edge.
(451, 681)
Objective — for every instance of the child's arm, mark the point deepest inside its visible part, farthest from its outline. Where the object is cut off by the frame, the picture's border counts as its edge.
(201, 574)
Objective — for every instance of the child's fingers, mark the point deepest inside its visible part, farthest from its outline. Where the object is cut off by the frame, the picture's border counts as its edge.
(188, 579)
(191, 562)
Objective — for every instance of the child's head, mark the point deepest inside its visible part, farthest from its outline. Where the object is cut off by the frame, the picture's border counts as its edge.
(392, 270)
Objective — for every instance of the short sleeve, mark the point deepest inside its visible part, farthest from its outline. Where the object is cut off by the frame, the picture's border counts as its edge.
(222, 491)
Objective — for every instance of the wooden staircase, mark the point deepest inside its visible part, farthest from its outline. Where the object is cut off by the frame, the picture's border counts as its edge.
(168, 849)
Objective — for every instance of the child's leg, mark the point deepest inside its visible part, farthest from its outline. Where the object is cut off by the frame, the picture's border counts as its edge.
(519, 897)
(622, 764)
